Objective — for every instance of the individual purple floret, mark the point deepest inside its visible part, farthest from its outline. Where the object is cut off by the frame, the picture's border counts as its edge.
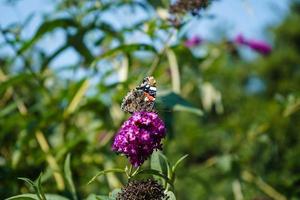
(258, 46)
(193, 42)
(139, 136)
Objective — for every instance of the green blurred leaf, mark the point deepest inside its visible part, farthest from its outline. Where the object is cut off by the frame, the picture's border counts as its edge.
(15, 80)
(68, 176)
(225, 163)
(46, 27)
(127, 48)
(77, 98)
(77, 42)
(8, 109)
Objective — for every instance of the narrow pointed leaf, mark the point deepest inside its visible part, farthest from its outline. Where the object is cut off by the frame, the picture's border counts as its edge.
(178, 162)
(46, 27)
(105, 172)
(68, 176)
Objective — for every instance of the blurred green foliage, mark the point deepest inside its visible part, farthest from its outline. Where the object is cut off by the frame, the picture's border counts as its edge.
(246, 145)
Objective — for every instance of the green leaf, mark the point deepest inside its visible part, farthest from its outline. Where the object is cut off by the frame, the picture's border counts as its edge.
(170, 196)
(77, 42)
(77, 98)
(35, 197)
(105, 172)
(8, 109)
(14, 80)
(159, 162)
(174, 69)
(225, 162)
(68, 176)
(190, 109)
(178, 162)
(24, 197)
(127, 48)
(55, 197)
(173, 101)
(36, 186)
(39, 187)
(27, 180)
(46, 27)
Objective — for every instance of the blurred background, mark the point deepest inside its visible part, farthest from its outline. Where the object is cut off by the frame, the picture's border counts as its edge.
(228, 78)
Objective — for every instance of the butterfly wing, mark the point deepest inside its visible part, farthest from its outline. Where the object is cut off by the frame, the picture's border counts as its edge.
(137, 101)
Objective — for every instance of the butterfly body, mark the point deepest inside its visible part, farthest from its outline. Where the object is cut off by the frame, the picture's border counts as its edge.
(142, 98)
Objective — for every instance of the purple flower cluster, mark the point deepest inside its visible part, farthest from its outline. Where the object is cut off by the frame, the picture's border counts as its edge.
(258, 46)
(139, 136)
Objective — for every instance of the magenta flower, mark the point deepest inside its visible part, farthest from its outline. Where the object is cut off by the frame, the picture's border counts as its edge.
(139, 136)
(258, 46)
(193, 41)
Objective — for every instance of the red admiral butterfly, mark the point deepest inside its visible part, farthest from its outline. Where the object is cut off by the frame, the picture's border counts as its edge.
(141, 98)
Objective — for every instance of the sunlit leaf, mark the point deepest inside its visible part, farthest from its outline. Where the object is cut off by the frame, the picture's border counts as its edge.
(77, 98)
(170, 195)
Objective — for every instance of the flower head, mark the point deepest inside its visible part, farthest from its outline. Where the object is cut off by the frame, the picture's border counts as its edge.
(193, 41)
(142, 190)
(139, 136)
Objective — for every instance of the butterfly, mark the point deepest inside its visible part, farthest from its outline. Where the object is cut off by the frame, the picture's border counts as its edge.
(142, 98)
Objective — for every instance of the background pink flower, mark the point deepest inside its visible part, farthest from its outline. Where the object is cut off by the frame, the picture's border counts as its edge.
(256, 45)
(193, 41)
